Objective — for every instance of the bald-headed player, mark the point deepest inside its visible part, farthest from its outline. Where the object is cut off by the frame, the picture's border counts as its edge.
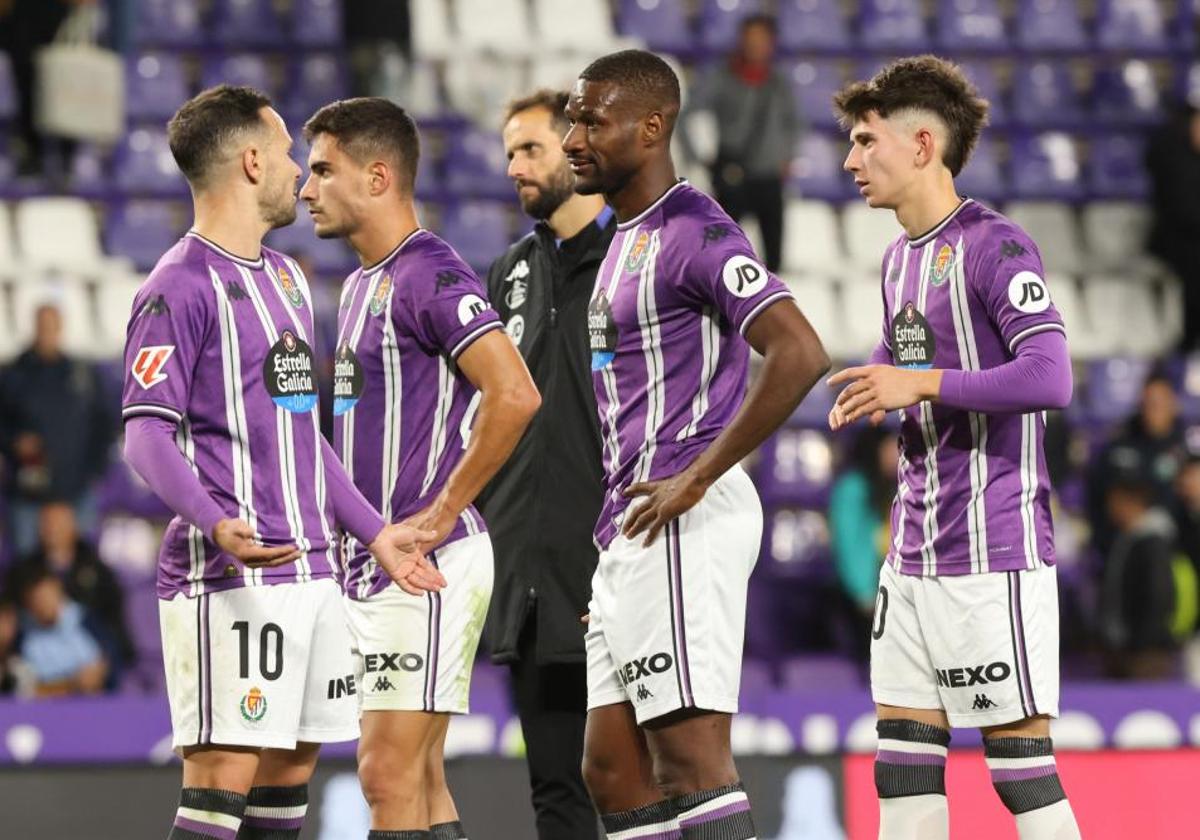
(679, 301)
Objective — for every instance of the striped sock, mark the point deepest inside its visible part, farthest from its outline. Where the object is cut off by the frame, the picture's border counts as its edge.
(447, 831)
(650, 822)
(274, 813)
(910, 778)
(207, 814)
(413, 834)
(719, 814)
(1025, 776)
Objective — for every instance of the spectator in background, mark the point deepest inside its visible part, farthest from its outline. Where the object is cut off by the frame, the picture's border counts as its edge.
(56, 428)
(15, 675)
(1139, 593)
(757, 127)
(86, 580)
(57, 641)
(1173, 161)
(860, 522)
(1150, 444)
(1187, 513)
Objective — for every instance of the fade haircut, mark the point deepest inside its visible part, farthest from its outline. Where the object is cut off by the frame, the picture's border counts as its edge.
(204, 128)
(371, 128)
(553, 101)
(923, 83)
(648, 78)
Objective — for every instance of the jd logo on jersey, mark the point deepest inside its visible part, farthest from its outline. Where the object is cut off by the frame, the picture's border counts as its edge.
(743, 277)
(912, 339)
(637, 254)
(940, 271)
(1028, 292)
(288, 374)
(602, 332)
(347, 379)
(290, 288)
(379, 299)
(148, 364)
(254, 705)
(470, 307)
(639, 669)
(969, 676)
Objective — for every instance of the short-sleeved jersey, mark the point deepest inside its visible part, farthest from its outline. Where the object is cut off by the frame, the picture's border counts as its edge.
(222, 347)
(974, 493)
(402, 409)
(674, 296)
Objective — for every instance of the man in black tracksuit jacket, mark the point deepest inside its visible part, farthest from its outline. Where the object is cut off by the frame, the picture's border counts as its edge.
(542, 506)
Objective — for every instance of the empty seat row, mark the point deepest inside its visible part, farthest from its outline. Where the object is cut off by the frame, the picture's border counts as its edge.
(249, 23)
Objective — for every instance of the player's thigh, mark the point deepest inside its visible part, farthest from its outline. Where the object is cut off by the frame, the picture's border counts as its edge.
(398, 743)
(220, 767)
(469, 567)
(287, 768)
(902, 673)
(617, 767)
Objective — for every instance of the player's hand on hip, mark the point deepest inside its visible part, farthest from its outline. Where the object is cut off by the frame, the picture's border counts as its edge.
(666, 499)
(436, 519)
(874, 390)
(397, 549)
(236, 537)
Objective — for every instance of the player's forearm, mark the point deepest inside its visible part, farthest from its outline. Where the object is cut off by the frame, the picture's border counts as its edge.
(502, 418)
(151, 451)
(1038, 379)
(351, 510)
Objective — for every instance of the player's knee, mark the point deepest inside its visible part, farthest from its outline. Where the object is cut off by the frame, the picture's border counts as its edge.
(388, 777)
(1024, 772)
(603, 776)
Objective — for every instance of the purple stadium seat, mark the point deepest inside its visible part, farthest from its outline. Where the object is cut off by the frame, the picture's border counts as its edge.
(8, 90)
(89, 171)
(720, 19)
(143, 165)
(1185, 38)
(813, 84)
(332, 257)
(238, 69)
(1114, 388)
(983, 176)
(155, 86)
(796, 468)
(987, 81)
(1050, 25)
(812, 25)
(246, 23)
(970, 25)
(662, 24)
(429, 178)
(1116, 167)
(819, 673)
(1131, 25)
(316, 80)
(1044, 95)
(1126, 94)
(1045, 166)
(813, 411)
(168, 23)
(142, 231)
(478, 165)
(479, 230)
(892, 25)
(796, 544)
(817, 167)
(317, 23)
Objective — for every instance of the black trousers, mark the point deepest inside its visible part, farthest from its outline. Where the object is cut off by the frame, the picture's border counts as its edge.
(761, 198)
(551, 701)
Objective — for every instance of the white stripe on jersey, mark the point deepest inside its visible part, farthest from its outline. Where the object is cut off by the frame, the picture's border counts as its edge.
(441, 419)
(356, 330)
(929, 434)
(1029, 484)
(235, 415)
(187, 445)
(968, 354)
(710, 351)
(392, 408)
(609, 425)
(656, 397)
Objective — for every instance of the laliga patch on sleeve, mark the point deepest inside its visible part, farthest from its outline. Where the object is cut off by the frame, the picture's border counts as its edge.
(743, 276)
(470, 307)
(148, 364)
(1028, 292)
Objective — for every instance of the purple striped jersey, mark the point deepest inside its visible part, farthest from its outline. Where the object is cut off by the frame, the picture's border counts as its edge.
(974, 494)
(674, 296)
(222, 347)
(402, 409)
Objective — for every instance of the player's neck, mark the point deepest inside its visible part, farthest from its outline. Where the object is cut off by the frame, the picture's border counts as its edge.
(236, 230)
(574, 214)
(642, 190)
(927, 205)
(381, 234)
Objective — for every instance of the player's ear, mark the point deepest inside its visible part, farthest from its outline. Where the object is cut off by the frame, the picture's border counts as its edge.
(927, 150)
(252, 163)
(654, 128)
(379, 178)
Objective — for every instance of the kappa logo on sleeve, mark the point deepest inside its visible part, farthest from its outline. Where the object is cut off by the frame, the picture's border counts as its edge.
(148, 364)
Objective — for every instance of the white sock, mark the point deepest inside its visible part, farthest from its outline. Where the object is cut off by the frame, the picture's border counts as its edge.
(924, 817)
(1054, 822)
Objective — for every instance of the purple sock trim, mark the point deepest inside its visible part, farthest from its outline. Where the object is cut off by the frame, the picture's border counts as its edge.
(274, 822)
(207, 829)
(898, 757)
(719, 814)
(1020, 775)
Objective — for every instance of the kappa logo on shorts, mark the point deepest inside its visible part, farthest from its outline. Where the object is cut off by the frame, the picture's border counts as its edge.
(394, 662)
(342, 687)
(254, 705)
(982, 702)
(978, 675)
(644, 693)
(148, 365)
(638, 669)
(384, 684)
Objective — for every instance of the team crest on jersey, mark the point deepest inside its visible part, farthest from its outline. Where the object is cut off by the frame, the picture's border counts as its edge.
(941, 266)
(148, 365)
(347, 379)
(379, 299)
(290, 288)
(289, 374)
(637, 254)
(254, 705)
(912, 339)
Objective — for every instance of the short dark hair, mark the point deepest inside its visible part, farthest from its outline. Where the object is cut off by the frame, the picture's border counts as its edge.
(767, 22)
(925, 83)
(650, 79)
(369, 128)
(554, 101)
(204, 125)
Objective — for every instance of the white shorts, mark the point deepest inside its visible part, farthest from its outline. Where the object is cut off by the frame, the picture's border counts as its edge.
(415, 653)
(982, 647)
(667, 622)
(262, 666)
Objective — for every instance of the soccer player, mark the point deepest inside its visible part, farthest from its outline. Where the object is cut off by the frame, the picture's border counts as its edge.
(219, 406)
(973, 351)
(679, 301)
(430, 397)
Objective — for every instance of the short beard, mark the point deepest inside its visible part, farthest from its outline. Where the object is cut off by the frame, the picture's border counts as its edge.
(551, 196)
(278, 210)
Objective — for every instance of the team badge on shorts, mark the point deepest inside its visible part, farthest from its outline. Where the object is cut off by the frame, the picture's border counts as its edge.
(637, 254)
(379, 299)
(288, 374)
(290, 288)
(254, 705)
(941, 266)
(347, 379)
